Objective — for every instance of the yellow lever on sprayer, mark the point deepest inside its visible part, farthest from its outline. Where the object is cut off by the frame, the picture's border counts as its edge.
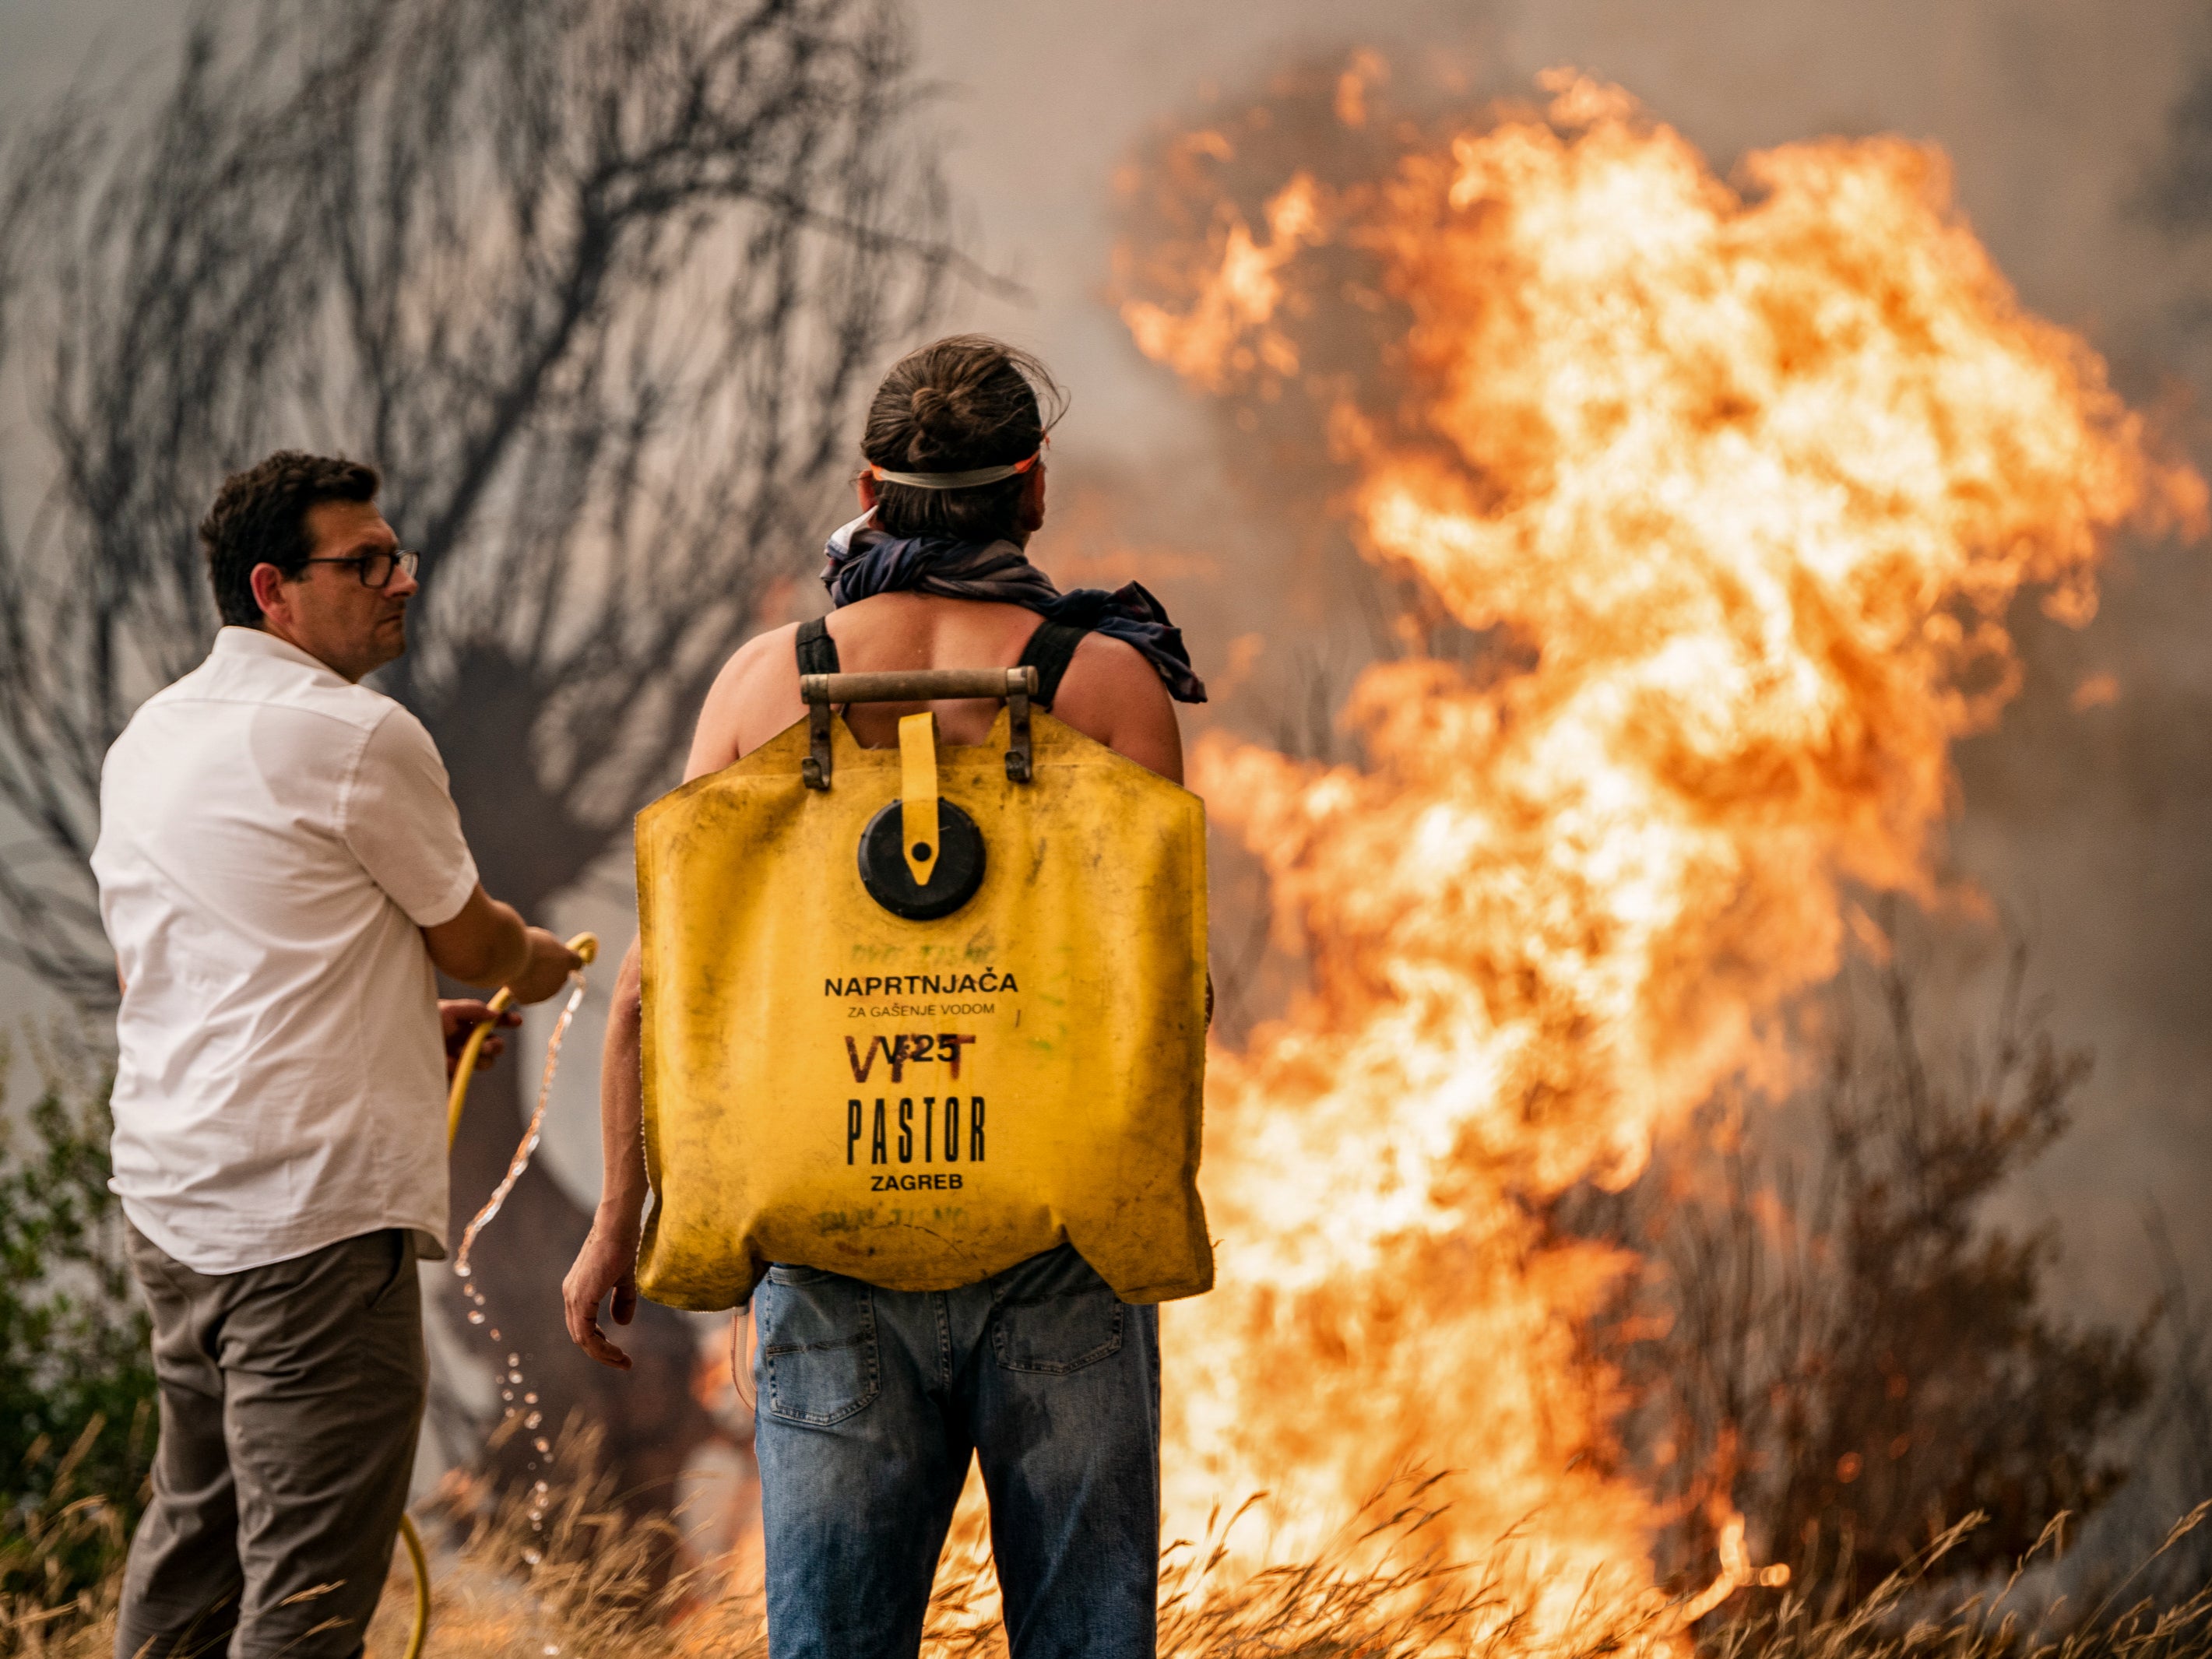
(586, 945)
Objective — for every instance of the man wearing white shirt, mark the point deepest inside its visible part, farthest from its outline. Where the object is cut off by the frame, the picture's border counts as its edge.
(281, 867)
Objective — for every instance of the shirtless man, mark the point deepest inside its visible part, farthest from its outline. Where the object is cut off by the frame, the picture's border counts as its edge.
(934, 575)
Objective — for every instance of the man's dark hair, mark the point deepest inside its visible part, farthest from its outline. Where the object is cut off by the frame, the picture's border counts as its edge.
(260, 516)
(962, 403)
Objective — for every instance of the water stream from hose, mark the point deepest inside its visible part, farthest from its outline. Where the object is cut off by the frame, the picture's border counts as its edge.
(511, 1377)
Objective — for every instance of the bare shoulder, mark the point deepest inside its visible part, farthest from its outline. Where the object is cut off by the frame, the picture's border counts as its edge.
(1112, 693)
(1112, 673)
(755, 697)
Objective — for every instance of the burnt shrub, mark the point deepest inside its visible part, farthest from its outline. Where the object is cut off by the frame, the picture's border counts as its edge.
(1830, 1334)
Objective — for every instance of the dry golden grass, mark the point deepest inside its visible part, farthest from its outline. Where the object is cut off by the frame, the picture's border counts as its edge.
(591, 1581)
(1905, 1619)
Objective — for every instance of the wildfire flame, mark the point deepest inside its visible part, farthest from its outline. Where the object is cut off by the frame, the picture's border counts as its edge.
(1754, 473)
(1209, 343)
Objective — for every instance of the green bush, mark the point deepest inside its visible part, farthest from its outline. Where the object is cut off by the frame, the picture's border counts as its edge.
(76, 1378)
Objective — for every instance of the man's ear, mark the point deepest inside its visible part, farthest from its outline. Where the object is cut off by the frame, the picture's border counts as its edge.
(867, 485)
(268, 585)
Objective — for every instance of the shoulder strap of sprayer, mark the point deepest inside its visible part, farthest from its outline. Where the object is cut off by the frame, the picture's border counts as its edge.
(1049, 651)
(817, 651)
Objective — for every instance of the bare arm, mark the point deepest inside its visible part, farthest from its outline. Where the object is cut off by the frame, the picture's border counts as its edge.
(487, 945)
(608, 1262)
(741, 712)
(732, 722)
(607, 1265)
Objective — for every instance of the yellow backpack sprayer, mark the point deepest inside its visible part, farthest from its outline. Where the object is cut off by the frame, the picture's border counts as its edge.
(914, 1015)
(586, 945)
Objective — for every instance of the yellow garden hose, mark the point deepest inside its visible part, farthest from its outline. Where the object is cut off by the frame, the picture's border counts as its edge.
(420, 1562)
(586, 945)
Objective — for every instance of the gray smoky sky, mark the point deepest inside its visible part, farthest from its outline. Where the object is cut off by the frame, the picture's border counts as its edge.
(2087, 829)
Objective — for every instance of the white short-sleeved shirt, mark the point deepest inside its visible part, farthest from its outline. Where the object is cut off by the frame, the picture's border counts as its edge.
(272, 840)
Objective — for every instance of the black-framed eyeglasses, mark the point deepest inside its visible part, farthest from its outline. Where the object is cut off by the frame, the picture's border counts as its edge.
(375, 569)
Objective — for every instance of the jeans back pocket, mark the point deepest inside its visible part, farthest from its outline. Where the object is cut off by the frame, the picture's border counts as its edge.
(1054, 1315)
(818, 1344)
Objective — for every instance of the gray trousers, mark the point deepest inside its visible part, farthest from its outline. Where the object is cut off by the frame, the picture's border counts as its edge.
(291, 1396)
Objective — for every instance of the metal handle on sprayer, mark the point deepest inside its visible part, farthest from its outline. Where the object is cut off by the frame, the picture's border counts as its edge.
(586, 945)
(823, 691)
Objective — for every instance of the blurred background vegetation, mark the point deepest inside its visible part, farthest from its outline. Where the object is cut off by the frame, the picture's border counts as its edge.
(76, 1381)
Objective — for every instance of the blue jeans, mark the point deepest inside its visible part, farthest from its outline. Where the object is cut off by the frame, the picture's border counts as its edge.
(870, 1403)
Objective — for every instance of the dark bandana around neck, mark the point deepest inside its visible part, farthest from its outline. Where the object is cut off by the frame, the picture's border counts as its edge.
(863, 561)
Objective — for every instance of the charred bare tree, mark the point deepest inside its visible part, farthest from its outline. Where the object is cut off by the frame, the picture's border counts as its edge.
(1856, 1359)
(2174, 195)
(597, 283)
(2179, 191)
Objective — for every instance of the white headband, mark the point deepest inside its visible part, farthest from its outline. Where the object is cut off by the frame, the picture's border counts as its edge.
(982, 475)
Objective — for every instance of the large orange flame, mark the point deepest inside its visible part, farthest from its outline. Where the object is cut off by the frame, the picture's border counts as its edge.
(1753, 473)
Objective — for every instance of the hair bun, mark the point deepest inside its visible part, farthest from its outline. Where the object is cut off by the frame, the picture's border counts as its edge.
(933, 407)
(940, 424)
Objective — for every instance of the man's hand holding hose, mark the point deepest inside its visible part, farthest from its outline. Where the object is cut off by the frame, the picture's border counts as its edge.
(457, 1019)
(487, 943)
